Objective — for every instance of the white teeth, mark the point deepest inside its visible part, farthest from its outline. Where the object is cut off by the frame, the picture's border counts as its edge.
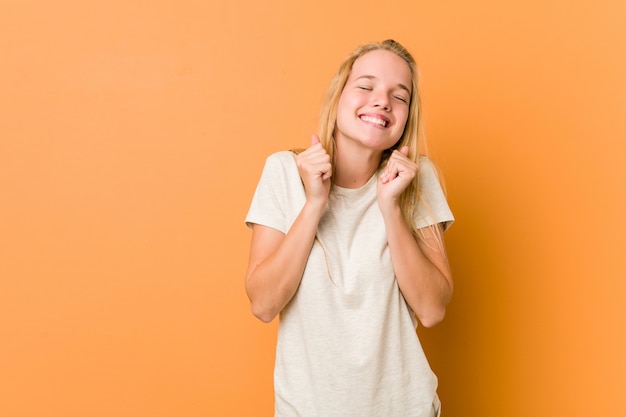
(375, 120)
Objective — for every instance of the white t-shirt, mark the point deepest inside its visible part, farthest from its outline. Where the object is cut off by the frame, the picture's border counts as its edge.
(347, 345)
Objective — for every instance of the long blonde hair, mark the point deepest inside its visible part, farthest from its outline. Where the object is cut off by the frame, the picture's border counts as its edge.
(411, 135)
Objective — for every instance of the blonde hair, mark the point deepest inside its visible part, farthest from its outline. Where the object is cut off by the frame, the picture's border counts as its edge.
(410, 137)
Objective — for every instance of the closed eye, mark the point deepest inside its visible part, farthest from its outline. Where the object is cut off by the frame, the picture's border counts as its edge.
(402, 99)
(362, 87)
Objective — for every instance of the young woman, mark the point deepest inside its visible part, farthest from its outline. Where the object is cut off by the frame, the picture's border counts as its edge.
(347, 247)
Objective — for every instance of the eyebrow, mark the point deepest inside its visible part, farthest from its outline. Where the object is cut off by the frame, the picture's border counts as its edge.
(371, 77)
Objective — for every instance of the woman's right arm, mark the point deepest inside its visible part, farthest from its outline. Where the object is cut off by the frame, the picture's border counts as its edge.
(277, 260)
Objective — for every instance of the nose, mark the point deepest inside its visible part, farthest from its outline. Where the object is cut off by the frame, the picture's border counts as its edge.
(381, 101)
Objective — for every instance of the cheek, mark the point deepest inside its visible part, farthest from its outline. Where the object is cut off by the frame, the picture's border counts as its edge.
(346, 108)
(402, 120)
(346, 103)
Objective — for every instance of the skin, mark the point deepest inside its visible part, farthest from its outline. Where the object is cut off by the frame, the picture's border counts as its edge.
(372, 112)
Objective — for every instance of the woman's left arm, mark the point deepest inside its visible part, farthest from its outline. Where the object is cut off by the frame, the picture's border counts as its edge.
(421, 268)
(420, 264)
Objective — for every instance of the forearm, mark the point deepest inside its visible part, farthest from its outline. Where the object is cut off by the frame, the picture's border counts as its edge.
(421, 269)
(272, 281)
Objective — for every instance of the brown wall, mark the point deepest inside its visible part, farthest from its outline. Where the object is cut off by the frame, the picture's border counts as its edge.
(132, 135)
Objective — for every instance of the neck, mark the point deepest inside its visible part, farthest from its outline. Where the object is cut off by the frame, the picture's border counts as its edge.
(354, 167)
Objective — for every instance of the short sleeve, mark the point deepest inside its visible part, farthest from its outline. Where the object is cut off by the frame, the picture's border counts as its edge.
(279, 195)
(432, 207)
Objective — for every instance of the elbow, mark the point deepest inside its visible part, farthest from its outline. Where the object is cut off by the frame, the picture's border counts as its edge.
(261, 307)
(265, 305)
(266, 315)
(433, 313)
(432, 318)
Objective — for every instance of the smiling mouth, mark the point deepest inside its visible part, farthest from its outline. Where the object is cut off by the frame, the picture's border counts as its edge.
(375, 120)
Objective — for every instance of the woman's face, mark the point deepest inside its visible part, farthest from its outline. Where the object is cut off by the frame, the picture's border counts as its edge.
(374, 104)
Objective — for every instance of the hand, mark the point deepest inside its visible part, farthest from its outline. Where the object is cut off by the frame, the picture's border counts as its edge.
(315, 170)
(395, 177)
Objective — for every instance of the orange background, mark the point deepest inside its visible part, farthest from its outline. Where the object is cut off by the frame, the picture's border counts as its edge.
(132, 138)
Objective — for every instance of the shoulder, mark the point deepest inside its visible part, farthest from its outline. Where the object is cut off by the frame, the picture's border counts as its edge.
(280, 162)
(433, 206)
(425, 161)
(282, 157)
(430, 177)
(280, 168)
(427, 168)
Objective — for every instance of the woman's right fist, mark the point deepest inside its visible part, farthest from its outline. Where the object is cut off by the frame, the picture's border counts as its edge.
(315, 170)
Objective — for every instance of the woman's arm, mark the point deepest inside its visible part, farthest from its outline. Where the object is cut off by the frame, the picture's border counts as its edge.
(277, 260)
(421, 268)
(420, 265)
